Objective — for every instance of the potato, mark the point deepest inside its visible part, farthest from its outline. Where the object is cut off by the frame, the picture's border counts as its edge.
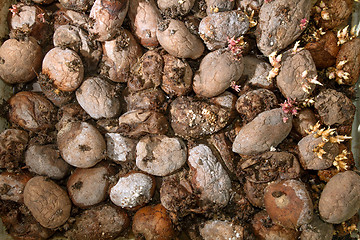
(105, 103)
(12, 186)
(160, 155)
(216, 229)
(215, 6)
(89, 186)
(288, 203)
(255, 72)
(177, 40)
(216, 29)
(106, 17)
(99, 223)
(64, 67)
(223, 146)
(340, 199)
(267, 130)
(279, 24)
(349, 52)
(303, 120)
(144, 17)
(174, 8)
(119, 148)
(70, 17)
(76, 5)
(31, 111)
(13, 143)
(20, 60)
(249, 5)
(48, 202)
(71, 112)
(317, 229)
(217, 70)
(209, 177)
(148, 99)
(119, 55)
(46, 160)
(81, 144)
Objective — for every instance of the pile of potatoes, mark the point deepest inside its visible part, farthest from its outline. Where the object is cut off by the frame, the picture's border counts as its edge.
(189, 119)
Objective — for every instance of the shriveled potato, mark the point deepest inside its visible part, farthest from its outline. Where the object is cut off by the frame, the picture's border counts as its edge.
(119, 56)
(64, 68)
(77, 5)
(20, 60)
(103, 222)
(173, 8)
(106, 17)
(81, 144)
(13, 143)
(160, 155)
(31, 111)
(216, 29)
(70, 113)
(70, 17)
(104, 103)
(120, 148)
(217, 70)
(177, 40)
(209, 177)
(177, 77)
(89, 186)
(48, 202)
(216, 229)
(340, 199)
(148, 99)
(215, 6)
(12, 186)
(144, 16)
(279, 24)
(267, 130)
(46, 160)
(255, 72)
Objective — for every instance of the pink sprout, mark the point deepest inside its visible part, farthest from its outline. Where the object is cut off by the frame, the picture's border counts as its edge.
(236, 46)
(303, 23)
(234, 86)
(289, 107)
(14, 10)
(41, 16)
(267, 1)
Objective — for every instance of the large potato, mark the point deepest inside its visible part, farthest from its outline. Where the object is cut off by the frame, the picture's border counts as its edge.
(47, 201)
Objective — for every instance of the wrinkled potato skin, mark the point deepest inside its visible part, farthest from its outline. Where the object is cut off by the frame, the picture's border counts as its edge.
(20, 60)
(12, 186)
(47, 201)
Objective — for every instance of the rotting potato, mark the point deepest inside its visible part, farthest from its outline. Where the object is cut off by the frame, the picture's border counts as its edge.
(144, 16)
(267, 130)
(12, 186)
(77, 5)
(71, 112)
(102, 222)
(215, 229)
(173, 8)
(46, 160)
(81, 144)
(106, 16)
(217, 29)
(317, 230)
(280, 24)
(89, 186)
(119, 148)
(98, 98)
(148, 99)
(13, 143)
(20, 60)
(48, 202)
(217, 70)
(215, 6)
(70, 17)
(119, 56)
(177, 40)
(31, 111)
(340, 199)
(64, 68)
(249, 5)
(160, 155)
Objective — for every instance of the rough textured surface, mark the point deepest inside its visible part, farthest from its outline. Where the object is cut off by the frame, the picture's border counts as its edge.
(279, 23)
(47, 201)
(208, 176)
(216, 29)
(217, 70)
(215, 6)
(13, 143)
(317, 230)
(256, 71)
(334, 107)
(148, 99)
(12, 186)
(290, 80)
(340, 199)
(350, 52)
(222, 230)
(267, 130)
(339, 12)
(303, 120)
(160, 155)
(120, 148)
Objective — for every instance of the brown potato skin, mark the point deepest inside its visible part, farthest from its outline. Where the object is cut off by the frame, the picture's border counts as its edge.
(13, 143)
(12, 186)
(20, 60)
(47, 201)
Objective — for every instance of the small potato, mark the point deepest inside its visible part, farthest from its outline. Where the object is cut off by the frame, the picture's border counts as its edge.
(119, 148)
(20, 60)
(64, 67)
(13, 143)
(217, 70)
(119, 56)
(48, 202)
(106, 18)
(103, 222)
(98, 98)
(340, 199)
(148, 99)
(215, 6)
(31, 111)
(153, 223)
(12, 186)
(350, 53)
(173, 8)
(216, 229)
(177, 77)
(216, 29)
(288, 203)
(89, 186)
(144, 16)
(160, 155)
(334, 13)
(46, 160)
(303, 120)
(177, 40)
(81, 144)
(77, 5)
